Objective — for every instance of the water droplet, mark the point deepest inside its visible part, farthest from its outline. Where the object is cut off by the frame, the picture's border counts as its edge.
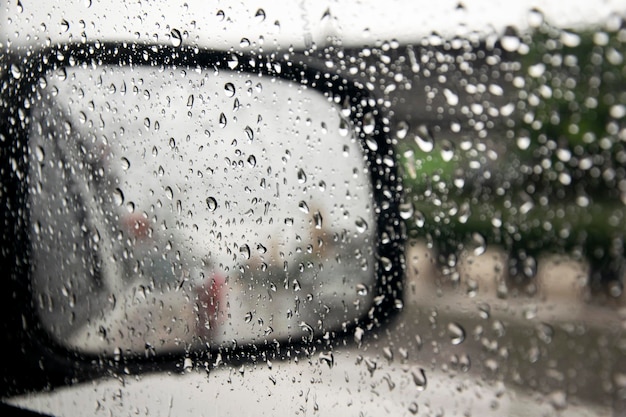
(301, 176)
(480, 244)
(125, 163)
(245, 251)
(229, 88)
(249, 133)
(43, 82)
(361, 225)
(327, 358)
(402, 129)
(371, 365)
(388, 353)
(456, 333)
(424, 139)
(451, 97)
(176, 38)
(464, 213)
(260, 15)
(369, 123)
(252, 161)
(570, 39)
(211, 203)
(169, 192)
(459, 179)
(358, 335)
(233, 62)
(371, 144)
(222, 120)
(190, 100)
(447, 150)
(413, 408)
(484, 311)
(65, 25)
(118, 197)
(523, 143)
(16, 72)
(510, 43)
(39, 153)
(419, 219)
(545, 332)
(344, 128)
(406, 210)
(303, 207)
(535, 18)
(465, 362)
(361, 289)
(419, 378)
(317, 219)
(419, 342)
(68, 127)
(305, 327)
(248, 317)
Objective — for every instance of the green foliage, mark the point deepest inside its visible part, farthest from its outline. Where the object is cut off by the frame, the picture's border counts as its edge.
(560, 183)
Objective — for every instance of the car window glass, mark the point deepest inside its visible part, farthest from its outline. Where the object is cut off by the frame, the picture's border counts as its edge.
(508, 130)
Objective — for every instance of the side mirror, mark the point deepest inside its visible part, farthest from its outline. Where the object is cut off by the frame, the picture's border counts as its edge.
(177, 200)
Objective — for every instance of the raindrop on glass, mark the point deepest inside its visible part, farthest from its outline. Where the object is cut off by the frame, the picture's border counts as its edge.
(327, 358)
(480, 244)
(358, 335)
(301, 176)
(419, 378)
(169, 192)
(361, 225)
(39, 153)
(211, 203)
(317, 218)
(16, 72)
(456, 333)
(369, 123)
(424, 140)
(118, 197)
(248, 317)
(344, 128)
(229, 88)
(303, 207)
(245, 251)
(260, 15)
(406, 210)
(361, 289)
(177, 38)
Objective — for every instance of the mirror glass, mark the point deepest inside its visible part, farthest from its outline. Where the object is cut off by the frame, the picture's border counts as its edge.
(176, 208)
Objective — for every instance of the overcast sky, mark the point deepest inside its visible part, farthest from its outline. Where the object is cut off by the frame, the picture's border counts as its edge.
(223, 24)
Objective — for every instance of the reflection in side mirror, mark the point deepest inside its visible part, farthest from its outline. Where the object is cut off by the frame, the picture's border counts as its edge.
(182, 207)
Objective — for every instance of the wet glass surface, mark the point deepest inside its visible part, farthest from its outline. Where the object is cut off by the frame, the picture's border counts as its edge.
(508, 125)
